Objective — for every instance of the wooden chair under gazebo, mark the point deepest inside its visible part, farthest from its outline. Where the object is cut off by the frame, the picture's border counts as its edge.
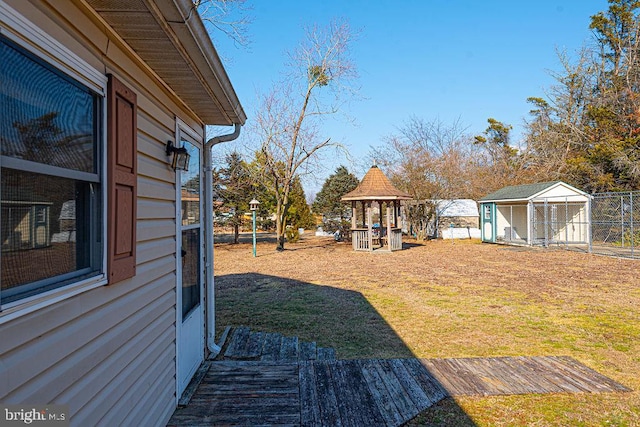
(376, 189)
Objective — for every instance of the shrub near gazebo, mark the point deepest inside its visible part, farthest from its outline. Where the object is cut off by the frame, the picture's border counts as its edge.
(375, 188)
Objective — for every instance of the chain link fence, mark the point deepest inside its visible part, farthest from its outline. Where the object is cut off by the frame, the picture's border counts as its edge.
(615, 224)
(608, 224)
(558, 222)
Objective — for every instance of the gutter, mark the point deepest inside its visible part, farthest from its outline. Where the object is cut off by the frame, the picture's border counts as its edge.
(208, 208)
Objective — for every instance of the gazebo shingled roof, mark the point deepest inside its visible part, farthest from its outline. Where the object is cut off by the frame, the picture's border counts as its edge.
(375, 186)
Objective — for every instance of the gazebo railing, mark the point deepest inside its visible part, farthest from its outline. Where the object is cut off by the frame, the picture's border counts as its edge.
(396, 239)
(360, 240)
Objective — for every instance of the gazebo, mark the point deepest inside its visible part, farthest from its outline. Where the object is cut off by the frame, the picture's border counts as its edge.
(375, 188)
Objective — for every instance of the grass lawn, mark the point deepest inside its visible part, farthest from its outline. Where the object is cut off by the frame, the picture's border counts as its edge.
(440, 299)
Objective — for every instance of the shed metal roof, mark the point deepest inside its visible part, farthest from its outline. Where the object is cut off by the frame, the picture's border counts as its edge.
(515, 192)
(527, 191)
(457, 207)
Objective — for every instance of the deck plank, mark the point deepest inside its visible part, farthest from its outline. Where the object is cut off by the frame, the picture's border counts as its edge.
(248, 411)
(307, 350)
(583, 376)
(434, 390)
(594, 375)
(384, 400)
(511, 374)
(491, 375)
(271, 347)
(355, 403)
(541, 382)
(480, 382)
(566, 383)
(410, 384)
(244, 393)
(584, 382)
(288, 350)
(237, 343)
(248, 378)
(403, 401)
(446, 376)
(309, 407)
(255, 343)
(328, 402)
(326, 353)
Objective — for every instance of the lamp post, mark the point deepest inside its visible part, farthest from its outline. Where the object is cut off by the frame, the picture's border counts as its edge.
(253, 205)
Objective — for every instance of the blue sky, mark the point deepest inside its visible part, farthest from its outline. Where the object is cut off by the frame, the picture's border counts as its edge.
(432, 59)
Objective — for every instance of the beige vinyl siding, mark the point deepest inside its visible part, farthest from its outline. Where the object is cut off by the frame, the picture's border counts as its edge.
(109, 353)
(99, 339)
(155, 209)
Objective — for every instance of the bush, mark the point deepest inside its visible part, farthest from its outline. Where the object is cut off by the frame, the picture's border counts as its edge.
(291, 234)
(267, 224)
(629, 239)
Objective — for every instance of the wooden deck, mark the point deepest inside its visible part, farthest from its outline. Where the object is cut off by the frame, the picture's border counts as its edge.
(272, 347)
(374, 392)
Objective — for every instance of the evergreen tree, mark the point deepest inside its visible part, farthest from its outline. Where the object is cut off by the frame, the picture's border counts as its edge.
(588, 132)
(299, 215)
(328, 201)
(234, 187)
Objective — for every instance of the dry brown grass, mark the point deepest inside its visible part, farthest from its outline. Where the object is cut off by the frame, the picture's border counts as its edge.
(451, 300)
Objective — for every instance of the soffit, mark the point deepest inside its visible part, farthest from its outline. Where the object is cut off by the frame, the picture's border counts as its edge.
(169, 36)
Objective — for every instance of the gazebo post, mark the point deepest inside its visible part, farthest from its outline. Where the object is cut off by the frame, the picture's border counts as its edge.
(388, 226)
(380, 223)
(354, 221)
(370, 227)
(364, 216)
(395, 214)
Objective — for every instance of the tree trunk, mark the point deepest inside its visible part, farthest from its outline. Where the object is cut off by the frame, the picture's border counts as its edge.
(236, 233)
(279, 227)
(282, 206)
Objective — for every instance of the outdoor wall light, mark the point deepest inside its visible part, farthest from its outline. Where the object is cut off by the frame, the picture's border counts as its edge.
(180, 157)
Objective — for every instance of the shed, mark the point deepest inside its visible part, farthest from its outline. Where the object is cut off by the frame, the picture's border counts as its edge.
(536, 214)
(374, 191)
(457, 218)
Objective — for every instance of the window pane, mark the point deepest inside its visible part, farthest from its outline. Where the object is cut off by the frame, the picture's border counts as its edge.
(47, 231)
(46, 117)
(190, 270)
(190, 187)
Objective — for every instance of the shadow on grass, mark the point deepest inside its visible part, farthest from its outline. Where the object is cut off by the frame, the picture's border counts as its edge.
(338, 318)
(410, 245)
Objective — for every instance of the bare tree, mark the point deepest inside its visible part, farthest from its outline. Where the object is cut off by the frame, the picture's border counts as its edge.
(431, 160)
(229, 17)
(556, 130)
(288, 122)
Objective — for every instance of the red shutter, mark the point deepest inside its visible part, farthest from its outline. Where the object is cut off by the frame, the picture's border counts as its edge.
(122, 181)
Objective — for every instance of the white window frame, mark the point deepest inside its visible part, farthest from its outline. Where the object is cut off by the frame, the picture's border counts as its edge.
(31, 38)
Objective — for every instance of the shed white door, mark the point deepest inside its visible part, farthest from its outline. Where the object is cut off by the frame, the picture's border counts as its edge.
(190, 318)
